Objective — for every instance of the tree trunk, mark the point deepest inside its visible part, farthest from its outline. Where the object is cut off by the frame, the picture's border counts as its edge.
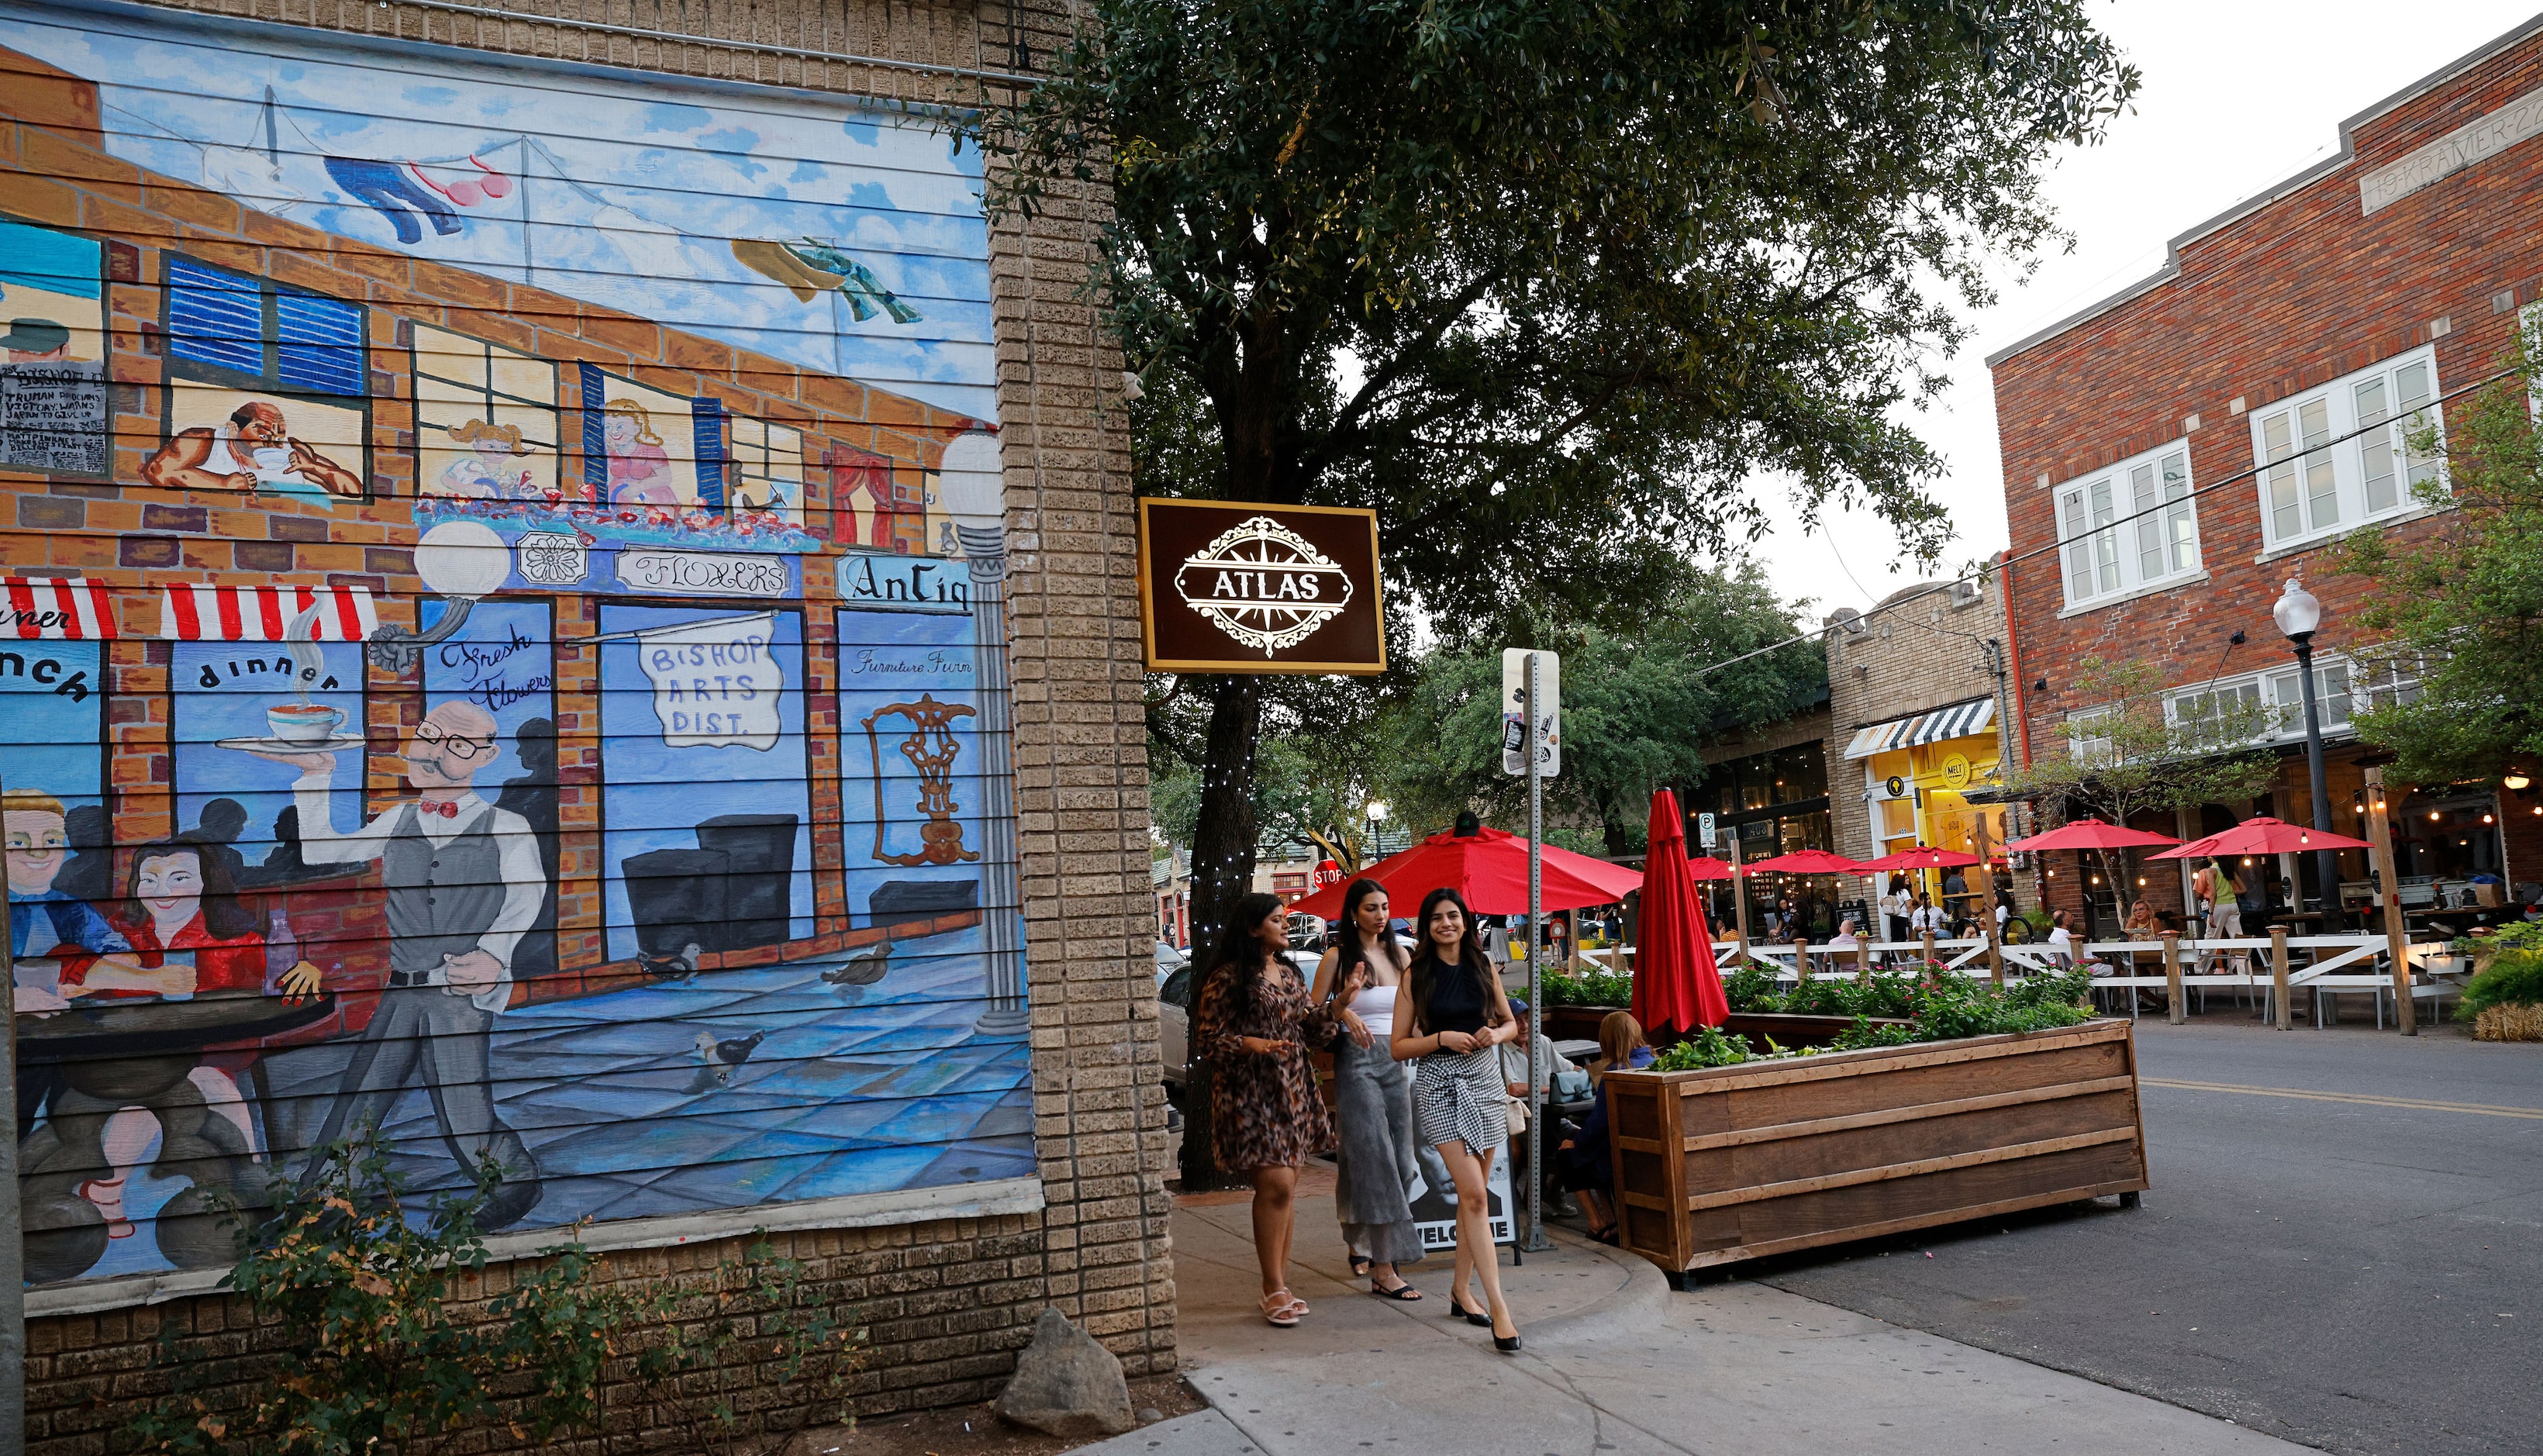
(1222, 867)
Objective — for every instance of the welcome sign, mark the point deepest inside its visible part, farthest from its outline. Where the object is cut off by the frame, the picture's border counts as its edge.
(1228, 587)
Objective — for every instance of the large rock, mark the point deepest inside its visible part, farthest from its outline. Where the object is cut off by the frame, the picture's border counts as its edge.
(1067, 1385)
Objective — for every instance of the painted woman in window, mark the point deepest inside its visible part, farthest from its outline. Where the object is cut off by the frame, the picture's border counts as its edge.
(496, 467)
(253, 447)
(639, 469)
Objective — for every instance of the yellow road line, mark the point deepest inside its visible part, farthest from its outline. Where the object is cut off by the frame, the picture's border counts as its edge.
(2485, 1109)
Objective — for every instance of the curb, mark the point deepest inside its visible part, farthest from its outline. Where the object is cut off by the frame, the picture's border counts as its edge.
(1641, 1303)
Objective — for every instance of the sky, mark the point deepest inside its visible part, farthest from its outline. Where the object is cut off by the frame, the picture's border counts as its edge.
(2236, 98)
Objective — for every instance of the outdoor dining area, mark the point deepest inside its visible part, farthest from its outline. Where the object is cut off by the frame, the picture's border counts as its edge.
(2403, 963)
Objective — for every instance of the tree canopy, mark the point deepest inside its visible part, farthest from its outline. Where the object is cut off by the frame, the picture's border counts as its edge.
(1637, 711)
(1546, 284)
(2460, 606)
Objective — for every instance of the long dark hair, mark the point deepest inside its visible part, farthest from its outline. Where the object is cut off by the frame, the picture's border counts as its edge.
(1354, 954)
(1242, 954)
(1425, 974)
(224, 918)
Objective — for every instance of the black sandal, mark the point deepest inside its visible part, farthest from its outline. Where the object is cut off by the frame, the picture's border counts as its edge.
(1359, 1267)
(1403, 1292)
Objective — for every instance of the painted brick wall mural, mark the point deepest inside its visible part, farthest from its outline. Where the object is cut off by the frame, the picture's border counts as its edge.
(503, 640)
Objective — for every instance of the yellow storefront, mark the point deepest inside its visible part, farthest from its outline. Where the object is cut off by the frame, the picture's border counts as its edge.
(1918, 772)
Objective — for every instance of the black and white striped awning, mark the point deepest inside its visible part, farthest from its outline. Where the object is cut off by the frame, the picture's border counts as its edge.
(1959, 721)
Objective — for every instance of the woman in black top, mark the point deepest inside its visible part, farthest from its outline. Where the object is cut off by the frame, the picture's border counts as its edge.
(1451, 1018)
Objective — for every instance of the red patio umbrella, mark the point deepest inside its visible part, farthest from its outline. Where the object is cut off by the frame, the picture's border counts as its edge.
(1921, 858)
(1706, 867)
(1676, 982)
(1808, 862)
(2261, 836)
(1490, 868)
(2090, 835)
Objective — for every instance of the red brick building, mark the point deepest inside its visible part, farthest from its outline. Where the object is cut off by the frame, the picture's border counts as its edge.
(2279, 355)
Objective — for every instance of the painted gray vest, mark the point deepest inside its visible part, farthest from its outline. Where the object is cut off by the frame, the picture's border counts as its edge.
(440, 901)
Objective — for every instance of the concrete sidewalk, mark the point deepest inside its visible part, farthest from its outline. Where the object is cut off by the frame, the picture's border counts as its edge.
(1615, 1363)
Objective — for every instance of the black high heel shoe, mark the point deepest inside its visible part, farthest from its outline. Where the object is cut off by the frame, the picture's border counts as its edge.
(1507, 1344)
(1457, 1308)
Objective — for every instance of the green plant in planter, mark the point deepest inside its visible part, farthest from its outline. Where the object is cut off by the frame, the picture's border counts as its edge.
(1751, 989)
(2515, 978)
(1944, 1005)
(2519, 935)
(1589, 988)
(1710, 1048)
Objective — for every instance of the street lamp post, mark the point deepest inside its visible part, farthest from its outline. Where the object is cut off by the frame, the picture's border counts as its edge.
(1376, 816)
(2299, 615)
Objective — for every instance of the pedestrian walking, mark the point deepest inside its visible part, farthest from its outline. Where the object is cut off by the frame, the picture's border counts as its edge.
(1358, 984)
(1456, 1018)
(1254, 1023)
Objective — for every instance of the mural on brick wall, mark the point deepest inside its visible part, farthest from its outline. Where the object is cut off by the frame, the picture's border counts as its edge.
(503, 645)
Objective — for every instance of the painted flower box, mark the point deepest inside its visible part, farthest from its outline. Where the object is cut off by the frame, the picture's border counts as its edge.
(1733, 1163)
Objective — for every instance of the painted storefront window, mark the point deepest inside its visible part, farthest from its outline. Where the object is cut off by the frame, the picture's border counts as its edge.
(523, 694)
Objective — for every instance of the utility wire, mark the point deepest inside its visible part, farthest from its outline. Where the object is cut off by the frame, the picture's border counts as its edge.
(2053, 547)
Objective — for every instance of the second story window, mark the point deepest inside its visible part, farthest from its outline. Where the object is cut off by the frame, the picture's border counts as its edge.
(2312, 487)
(2131, 527)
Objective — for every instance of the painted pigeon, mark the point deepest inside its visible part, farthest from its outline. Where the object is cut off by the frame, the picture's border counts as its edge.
(861, 971)
(719, 1060)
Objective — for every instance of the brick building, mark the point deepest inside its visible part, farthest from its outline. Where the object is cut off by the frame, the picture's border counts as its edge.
(2280, 355)
(477, 426)
(1915, 693)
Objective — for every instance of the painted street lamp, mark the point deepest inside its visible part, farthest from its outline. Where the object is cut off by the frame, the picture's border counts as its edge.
(2299, 615)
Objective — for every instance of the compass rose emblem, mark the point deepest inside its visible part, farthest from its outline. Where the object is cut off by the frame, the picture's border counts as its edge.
(1263, 584)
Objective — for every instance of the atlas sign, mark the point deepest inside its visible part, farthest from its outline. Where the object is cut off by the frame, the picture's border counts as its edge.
(1234, 587)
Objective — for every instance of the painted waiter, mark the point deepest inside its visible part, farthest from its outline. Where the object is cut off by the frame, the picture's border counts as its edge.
(464, 881)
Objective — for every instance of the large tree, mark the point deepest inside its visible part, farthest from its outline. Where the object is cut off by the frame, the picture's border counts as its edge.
(1639, 708)
(2460, 606)
(1546, 282)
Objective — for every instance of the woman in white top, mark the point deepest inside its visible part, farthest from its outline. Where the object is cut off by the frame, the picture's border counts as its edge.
(1374, 1168)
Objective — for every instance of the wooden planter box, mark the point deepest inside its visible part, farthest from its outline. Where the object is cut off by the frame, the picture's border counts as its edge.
(1734, 1163)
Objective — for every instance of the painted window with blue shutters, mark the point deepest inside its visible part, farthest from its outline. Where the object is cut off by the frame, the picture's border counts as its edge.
(643, 446)
(267, 387)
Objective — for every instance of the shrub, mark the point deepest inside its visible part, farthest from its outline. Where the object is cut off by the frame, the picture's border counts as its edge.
(1942, 1005)
(2509, 1024)
(1751, 988)
(1587, 987)
(348, 1281)
(2515, 979)
(2519, 935)
(1710, 1048)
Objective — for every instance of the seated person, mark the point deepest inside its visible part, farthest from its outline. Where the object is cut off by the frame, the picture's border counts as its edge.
(1588, 1160)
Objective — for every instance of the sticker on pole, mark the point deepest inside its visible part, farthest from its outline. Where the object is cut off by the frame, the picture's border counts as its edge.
(1516, 716)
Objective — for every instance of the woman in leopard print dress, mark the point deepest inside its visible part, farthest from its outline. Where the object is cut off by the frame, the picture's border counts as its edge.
(1255, 1024)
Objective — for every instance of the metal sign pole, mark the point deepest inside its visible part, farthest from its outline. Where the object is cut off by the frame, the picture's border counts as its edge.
(1536, 1074)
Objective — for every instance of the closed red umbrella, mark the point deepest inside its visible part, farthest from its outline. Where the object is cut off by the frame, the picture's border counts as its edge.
(1676, 982)
(2262, 836)
(1490, 868)
(2090, 835)
(1806, 861)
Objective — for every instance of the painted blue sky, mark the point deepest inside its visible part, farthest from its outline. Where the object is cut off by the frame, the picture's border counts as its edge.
(627, 194)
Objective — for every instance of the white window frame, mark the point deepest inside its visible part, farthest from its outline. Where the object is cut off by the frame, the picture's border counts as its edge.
(2102, 554)
(2080, 739)
(2341, 687)
(2312, 490)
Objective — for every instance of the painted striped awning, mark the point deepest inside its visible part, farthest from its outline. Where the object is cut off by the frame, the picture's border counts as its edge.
(1959, 721)
(194, 613)
(54, 609)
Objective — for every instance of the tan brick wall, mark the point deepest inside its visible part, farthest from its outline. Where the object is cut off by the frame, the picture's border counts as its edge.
(948, 1301)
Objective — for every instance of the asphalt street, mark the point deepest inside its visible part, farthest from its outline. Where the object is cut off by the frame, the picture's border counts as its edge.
(2349, 1254)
